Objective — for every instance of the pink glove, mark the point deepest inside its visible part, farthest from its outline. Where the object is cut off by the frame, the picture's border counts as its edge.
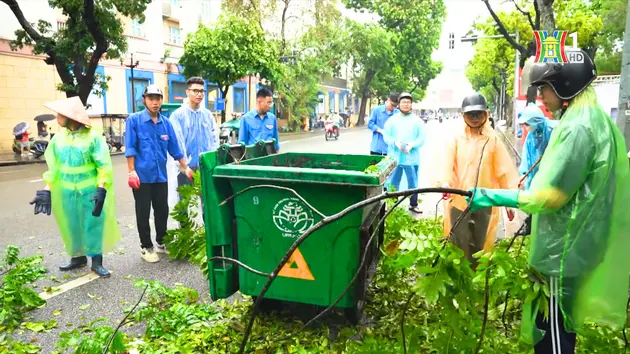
(133, 180)
(189, 173)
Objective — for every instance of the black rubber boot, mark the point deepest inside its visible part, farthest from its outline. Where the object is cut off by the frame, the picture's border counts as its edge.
(75, 262)
(97, 267)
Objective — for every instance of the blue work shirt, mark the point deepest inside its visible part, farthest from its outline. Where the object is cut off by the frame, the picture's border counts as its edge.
(149, 142)
(254, 129)
(377, 121)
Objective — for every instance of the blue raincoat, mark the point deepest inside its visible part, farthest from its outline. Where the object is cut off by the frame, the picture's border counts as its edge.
(406, 129)
(536, 141)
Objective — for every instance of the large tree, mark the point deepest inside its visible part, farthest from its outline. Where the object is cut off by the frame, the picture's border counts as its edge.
(92, 32)
(229, 51)
(416, 25)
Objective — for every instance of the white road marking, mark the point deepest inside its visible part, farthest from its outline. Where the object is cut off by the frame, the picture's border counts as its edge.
(70, 285)
(36, 180)
(10, 171)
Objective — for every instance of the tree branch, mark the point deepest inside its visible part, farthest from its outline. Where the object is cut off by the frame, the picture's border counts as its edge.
(503, 31)
(19, 15)
(537, 21)
(89, 16)
(526, 13)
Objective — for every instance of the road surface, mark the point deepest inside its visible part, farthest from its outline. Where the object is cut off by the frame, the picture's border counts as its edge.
(108, 297)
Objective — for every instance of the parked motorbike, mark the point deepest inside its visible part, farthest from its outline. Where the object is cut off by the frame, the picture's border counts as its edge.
(35, 148)
(229, 131)
(332, 131)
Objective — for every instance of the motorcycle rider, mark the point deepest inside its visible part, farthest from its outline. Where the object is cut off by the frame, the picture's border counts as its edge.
(377, 121)
(580, 230)
(149, 136)
(79, 189)
(474, 155)
(404, 136)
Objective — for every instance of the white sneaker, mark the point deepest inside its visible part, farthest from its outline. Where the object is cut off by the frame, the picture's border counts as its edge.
(161, 249)
(149, 255)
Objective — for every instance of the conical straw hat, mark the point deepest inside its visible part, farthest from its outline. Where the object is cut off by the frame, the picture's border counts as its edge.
(72, 108)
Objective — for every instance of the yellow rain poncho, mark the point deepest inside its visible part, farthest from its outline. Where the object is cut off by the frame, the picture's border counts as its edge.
(580, 227)
(460, 170)
(78, 161)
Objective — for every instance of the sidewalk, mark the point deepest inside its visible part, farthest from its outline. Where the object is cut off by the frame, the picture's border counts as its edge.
(9, 159)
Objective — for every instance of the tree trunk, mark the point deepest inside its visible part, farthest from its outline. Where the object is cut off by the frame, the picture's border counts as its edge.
(365, 95)
(224, 92)
(547, 20)
(283, 46)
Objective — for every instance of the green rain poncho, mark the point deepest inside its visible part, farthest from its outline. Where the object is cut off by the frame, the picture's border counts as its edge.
(580, 227)
(78, 161)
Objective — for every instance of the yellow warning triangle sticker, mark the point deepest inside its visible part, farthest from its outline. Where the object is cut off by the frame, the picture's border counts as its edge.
(296, 267)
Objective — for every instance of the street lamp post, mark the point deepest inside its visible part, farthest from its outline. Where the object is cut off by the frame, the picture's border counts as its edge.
(131, 66)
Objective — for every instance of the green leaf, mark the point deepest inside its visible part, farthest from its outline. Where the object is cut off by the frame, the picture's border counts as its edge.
(84, 307)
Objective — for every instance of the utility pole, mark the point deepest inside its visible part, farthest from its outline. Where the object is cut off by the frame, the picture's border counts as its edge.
(131, 66)
(623, 111)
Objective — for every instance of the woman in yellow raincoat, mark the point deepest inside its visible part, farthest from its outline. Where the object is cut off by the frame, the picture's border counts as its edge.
(79, 187)
(580, 227)
(475, 155)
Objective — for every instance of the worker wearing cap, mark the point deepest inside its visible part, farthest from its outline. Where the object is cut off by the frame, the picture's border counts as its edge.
(580, 229)
(149, 136)
(79, 189)
(539, 132)
(404, 136)
(474, 156)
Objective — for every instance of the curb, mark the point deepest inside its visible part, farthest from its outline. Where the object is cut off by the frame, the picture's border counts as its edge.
(38, 161)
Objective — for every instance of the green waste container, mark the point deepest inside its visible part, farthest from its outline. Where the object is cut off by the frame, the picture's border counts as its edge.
(259, 226)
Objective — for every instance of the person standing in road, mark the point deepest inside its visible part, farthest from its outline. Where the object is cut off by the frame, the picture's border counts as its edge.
(260, 124)
(404, 136)
(79, 189)
(376, 124)
(149, 136)
(194, 126)
(474, 156)
(580, 229)
(533, 119)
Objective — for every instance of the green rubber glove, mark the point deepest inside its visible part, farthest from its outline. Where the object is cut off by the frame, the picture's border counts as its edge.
(485, 198)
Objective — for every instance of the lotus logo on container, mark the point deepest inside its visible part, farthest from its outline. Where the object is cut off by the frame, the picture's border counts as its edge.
(553, 49)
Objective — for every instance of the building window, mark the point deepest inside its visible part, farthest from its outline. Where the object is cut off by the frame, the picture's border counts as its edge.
(60, 25)
(136, 28)
(179, 91)
(451, 40)
(239, 100)
(175, 35)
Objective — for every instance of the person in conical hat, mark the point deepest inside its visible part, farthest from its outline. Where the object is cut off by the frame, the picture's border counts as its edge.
(79, 190)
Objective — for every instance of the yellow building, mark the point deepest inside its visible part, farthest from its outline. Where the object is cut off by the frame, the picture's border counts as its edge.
(26, 82)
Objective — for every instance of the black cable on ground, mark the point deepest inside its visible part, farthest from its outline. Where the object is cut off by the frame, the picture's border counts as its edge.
(111, 338)
(323, 222)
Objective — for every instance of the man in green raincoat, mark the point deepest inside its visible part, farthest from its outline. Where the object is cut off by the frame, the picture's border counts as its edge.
(79, 187)
(580, 233)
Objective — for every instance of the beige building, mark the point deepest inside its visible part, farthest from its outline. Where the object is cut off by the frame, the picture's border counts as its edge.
(26, 82)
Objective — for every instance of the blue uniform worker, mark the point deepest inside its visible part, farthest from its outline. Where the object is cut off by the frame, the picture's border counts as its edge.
(259, 124)
(380, 116)
(148, 138)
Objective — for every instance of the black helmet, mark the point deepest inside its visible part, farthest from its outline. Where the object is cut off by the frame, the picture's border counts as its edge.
(566, 79)
(474, 102)
(405, 95)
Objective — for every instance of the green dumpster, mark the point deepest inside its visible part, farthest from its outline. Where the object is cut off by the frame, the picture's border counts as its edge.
(259, 225)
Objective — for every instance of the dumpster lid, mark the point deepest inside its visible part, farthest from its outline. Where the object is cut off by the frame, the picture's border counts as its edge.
(356, 170)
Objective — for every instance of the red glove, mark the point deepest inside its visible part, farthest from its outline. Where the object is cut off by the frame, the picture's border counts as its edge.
(189, 173)
(133, 180)
(446, 196)
(510, 214)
